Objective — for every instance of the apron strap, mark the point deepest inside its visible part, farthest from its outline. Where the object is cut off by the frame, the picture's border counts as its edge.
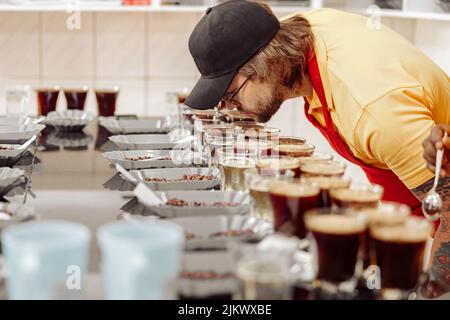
(316, 81)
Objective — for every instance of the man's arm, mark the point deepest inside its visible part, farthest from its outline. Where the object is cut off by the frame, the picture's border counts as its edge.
(440, 252)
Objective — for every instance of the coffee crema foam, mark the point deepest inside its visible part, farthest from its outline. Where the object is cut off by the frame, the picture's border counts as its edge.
(413, 230)
(314, 159)
(277, 163)
(325, 168)
(328, 182)
(335, 224)
(253, 145)
(357, 195)
(295, 147)
(291, 140)
(386, 214)
(293, 189)
(260, 187)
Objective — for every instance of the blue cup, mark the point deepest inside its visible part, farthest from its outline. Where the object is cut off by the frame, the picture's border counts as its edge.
(139, 259)
(42, 255)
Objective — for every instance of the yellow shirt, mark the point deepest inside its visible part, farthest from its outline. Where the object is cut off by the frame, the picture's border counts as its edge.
(384, 95)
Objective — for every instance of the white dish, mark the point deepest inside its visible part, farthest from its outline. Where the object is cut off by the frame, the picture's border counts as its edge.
(15, 150)
(210, 232)
(136, 126)
(69, 119)
(177, 173)
(151, 141)
(220, 263)
(9, 175)
(18, 133)
(15, 120)
(208, 197)
(11, 213)
(178, 158)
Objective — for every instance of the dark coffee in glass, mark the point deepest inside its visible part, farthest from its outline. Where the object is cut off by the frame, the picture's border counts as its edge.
(76, 98)
(290, 200)
(357, 196)
(398, 251)
(47, 100)
(326, 184)
(338, 242)
(106, 101)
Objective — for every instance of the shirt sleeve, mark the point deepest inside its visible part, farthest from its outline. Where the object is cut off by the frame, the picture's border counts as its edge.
(391, 130)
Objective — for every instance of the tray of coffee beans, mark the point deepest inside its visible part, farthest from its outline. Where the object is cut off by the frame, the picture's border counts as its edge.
(152, 141)
(214, 232)
(127, 126)
(8, 176)
(11, 213)
(190, 178)
(207, 275)
(11, 153)
(18, 134)
(144, 159)
(191, 203)
(69, 120)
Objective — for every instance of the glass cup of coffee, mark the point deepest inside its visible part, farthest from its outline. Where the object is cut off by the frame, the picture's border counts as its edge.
(398, 251)
(326, 184)
(385, 214)
(329, 168)
(216, 136)
(337, 247)
(258, 147)
(200, 126)
(237, 116)
(47, 99)
(295, 150)
(181, 98)
(316, 157)
(204, 114)
(257, 131)
(262, 274)
(278, 165)
(76, 97)
(223, 152)
(357, 196)
(258, 185)
(106, 101)
(233, 169)
(291, 140)
(290, 200)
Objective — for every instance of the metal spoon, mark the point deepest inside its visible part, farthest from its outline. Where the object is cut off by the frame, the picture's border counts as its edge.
(222, 117)
(432, 203)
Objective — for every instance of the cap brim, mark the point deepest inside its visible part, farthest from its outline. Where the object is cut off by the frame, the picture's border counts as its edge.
(208, 92)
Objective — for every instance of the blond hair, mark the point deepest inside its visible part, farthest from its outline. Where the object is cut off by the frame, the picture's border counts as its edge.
(285, 53)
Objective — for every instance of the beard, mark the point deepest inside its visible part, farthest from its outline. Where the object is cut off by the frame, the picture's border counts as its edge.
(270, 105)
(266, 112)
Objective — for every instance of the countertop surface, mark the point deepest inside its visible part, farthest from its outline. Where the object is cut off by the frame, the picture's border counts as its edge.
(68, 183)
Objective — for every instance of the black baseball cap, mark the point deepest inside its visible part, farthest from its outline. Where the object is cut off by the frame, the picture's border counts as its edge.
(226, 37)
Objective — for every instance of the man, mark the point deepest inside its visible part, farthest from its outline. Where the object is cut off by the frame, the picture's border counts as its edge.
(441, 263)
(373, 95)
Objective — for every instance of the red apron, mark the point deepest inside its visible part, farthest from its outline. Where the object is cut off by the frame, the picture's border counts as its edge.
(394, 188)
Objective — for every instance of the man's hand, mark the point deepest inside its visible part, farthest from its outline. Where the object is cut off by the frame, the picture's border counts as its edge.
(434, 142)
(440, 252)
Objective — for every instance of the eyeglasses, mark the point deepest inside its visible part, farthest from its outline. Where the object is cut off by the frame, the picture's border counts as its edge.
(231, 100)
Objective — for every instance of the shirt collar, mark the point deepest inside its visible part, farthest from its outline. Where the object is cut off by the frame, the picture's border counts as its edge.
(314, 102)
